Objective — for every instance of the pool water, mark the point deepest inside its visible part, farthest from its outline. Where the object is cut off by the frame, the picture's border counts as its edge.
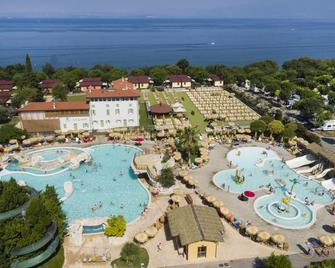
(50, 155)
(107, 184)
(262, 168)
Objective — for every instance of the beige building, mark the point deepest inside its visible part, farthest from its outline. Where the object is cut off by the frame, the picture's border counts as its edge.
(140, 81)
(215, 80)
(179, 81)
(197, 230)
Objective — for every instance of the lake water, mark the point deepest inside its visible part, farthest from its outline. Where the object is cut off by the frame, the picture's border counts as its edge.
(129, 43)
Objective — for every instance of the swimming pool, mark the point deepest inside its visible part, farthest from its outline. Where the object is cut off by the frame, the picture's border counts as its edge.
(108, 184)
(262, 168)
(52, 154)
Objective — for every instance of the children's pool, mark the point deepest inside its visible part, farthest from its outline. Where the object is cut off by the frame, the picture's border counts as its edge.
(262, 168)
(105, 187)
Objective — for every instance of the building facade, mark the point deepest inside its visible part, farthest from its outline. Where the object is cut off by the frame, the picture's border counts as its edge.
(51, 116)
(179, 81)
(115, 107)
(215, 80)
(140, 81)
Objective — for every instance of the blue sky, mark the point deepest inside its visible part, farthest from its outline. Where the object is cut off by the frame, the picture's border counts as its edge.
(322, 9)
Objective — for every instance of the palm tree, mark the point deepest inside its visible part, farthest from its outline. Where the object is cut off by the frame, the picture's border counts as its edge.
(294, 182)
(188, 142)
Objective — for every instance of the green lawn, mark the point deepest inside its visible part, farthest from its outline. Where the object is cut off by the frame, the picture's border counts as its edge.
(151, 98)
(77, 97)
(197, 119)
(142, 258)
(56, 261)
(145, 121)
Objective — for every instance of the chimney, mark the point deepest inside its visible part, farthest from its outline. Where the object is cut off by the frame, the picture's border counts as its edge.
(53, 104)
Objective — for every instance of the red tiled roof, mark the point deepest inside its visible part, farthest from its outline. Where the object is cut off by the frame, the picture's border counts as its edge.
(6, 84)
(214, 77)
(139, 79)
(4, 96)
(90, 81)
(160, 108)
(59, 106)
(179, 78)
(120, 88)
(49, 83)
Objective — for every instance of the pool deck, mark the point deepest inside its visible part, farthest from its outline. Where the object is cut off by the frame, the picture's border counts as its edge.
(245, 210)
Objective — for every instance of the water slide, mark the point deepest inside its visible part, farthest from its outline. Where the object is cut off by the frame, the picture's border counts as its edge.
(309, 169)
(301, 161)
(329, 184)
(321, 175)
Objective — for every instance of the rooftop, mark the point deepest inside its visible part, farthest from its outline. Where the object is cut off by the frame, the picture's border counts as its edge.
(139, 79)
(160, 108)
(214, 77)
(179, 78)
(48, 83)
(6, 84)
(54, 106)
(90, 81)
(195, 223)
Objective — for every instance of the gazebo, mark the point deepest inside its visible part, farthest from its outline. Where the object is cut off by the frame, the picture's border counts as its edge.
(160, 109)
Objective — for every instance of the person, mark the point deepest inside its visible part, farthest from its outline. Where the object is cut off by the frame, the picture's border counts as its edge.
(223, 186)
(159, 246)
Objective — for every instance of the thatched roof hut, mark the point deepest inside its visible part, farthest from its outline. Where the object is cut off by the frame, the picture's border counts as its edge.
(195, 223)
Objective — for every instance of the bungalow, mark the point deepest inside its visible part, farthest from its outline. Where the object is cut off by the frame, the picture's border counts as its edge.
(215, 80)
(179, 81)
(197, 230)
(50, 116)
(6, 87)
(48, 84)
(90, 83)
(140, 81)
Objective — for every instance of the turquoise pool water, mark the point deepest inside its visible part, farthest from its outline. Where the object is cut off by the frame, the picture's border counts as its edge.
(52, 154)
(262, 168)
(108, 183)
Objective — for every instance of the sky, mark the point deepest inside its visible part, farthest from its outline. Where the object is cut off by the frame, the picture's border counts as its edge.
(319, 9)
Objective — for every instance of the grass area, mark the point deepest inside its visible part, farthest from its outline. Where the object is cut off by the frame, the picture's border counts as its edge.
(197, 118)
(56, 261)
(145, 121)
(143, 257)
(13, 121)
(151, 98)
(76, 97)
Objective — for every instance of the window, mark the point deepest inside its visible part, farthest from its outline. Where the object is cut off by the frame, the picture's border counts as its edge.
(75, 126)
(85, 125)
(117, 105)
(93, 112)
(117, 111)
(102, 123)
(125, 122)
(130, 111)
(108, 112)
(64, 126)
(130, 104)
(202, 252)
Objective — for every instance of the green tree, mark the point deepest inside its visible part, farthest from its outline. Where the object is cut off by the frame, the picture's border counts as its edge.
(323, 264)
(173, 69)
(137, 71)
(8, 132)
(130, 252)
(276, 127)
(187, 143)
(12, 195)
(280, 261)
(198, 73)
(183, 64)
(331, 97)
(310, 106)
(28, 65)
(294, 182)
(158, 74)
(59, 92)
(116, 226)
(4, 115)
(26, 94)
(48, 69)
(166, 178)
(258, 127)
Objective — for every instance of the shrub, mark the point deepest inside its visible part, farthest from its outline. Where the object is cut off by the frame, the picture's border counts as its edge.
(165, 158)
(166, 178)
(323, 264)
(280, 261)
(9, 131)
(130, 252)
(116, 226)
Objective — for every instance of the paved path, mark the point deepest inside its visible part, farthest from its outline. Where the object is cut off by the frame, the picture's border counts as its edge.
(245, 210)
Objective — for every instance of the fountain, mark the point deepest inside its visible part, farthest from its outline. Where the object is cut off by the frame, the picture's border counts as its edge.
(239, 178)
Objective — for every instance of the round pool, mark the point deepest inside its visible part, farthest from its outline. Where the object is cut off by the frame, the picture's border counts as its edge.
(107, 186)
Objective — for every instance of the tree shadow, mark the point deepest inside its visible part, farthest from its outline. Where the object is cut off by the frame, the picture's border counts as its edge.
(328, 228)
